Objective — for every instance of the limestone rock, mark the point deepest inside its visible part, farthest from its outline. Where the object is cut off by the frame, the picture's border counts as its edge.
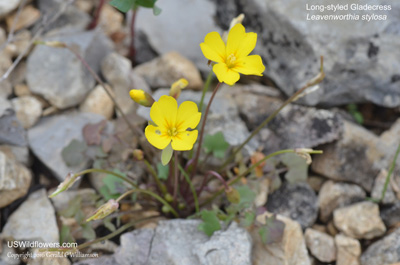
(379, 183)
(52, 134)
(118, 72)
(34, 220)
(11, 130)
(28, 16)
(383, 251)
(15, 180)
(390, 214)
(348, 250)
(321, 245)
(357, 157)
(334, 195)
(165, 70)
(17, 153)
(291, 250)
(28, 110)
(296, 201)
(8, 6)
(360, 220)
(57, 75)
(98, 102)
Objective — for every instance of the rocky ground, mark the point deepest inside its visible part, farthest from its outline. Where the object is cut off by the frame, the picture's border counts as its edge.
(48, 98)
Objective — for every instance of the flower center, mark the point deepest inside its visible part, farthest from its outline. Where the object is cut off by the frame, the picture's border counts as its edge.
(231, 60)
(172, 132)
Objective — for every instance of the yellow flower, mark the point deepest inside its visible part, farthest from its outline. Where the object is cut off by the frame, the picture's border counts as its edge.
(177, 87)
(171, 124)
(232, 58)
(141, 97)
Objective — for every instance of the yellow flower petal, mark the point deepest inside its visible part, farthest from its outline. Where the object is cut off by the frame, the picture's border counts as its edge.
(163, 112)
(188, 116)
(156, 137)
(250, 65)
(235, 37)
(184, 140)
(213, 47)
(246, 45)
(226, 75)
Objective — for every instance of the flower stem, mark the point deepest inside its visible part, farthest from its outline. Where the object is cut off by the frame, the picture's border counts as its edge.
(317, 79)
(115, 233)
(195, 198)
(91, 170)
(160, 186)
(205, 89)
(390, 173)
(132, 50)
(175, 175)
(236, 179)
(96, 16)
(152, 194)
(196, 158)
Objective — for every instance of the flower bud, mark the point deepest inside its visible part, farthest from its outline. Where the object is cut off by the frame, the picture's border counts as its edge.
(177, 87)
(104, 210)
(257, 156)
(70, 179)
(138, 154)
(141, 97)
(232, 194)
(304, 153)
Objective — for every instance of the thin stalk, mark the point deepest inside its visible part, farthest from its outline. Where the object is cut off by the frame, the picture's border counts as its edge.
(83, 61)
(152, 194)
(160, 186)
(317, 79)
(175, 175)
(195, 198)
(91, 170)
(115, 233)
(196, 158)
(96, 16)
(390, 173)
(132, 50)
(236, 179)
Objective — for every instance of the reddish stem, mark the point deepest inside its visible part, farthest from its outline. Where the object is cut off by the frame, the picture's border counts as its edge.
(97, 13)
(132, 50)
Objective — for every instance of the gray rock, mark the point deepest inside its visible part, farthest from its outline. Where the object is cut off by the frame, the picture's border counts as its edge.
(165, 70)
(296, 201)
(321, 245)
(61, 201)
(15, 180)
(6, 257)
(165, 34)
(357, 157)
(291, 250)
(335, 195)
(11, 130)
(180, 242)
(58, 76)
(49, 137)
(71, 19)
(18, 153)
(5, 105)
(294, 127)
(103, 260)
(34, 220)
(361, 67)
(384, 251)
(379, 184)
(360, 220)
(223, 116)
(7, 6)
(118, 72)
(390, 214)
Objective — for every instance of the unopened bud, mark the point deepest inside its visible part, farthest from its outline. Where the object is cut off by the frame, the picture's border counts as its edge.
(177, 87)
(237, 20)
(138, 154)
(104, 210)
(304, 153)
(255, 158)
(168, 197)
(232, 194)
(141, 97)
(70, 179)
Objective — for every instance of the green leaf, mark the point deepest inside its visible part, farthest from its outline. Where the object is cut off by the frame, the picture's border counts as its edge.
(145, 3)
(74, 206)
(166, 155)
(272, 231)
(115, 185)
(210, 222)
(156, 10)
(247, 196)
(162, 171)
(297, 167)
(215, 144)
(105, 192)
(88, 232)
(74, 153)
(65, 235)
(248, 219)
(107, 223)
(122, 5)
